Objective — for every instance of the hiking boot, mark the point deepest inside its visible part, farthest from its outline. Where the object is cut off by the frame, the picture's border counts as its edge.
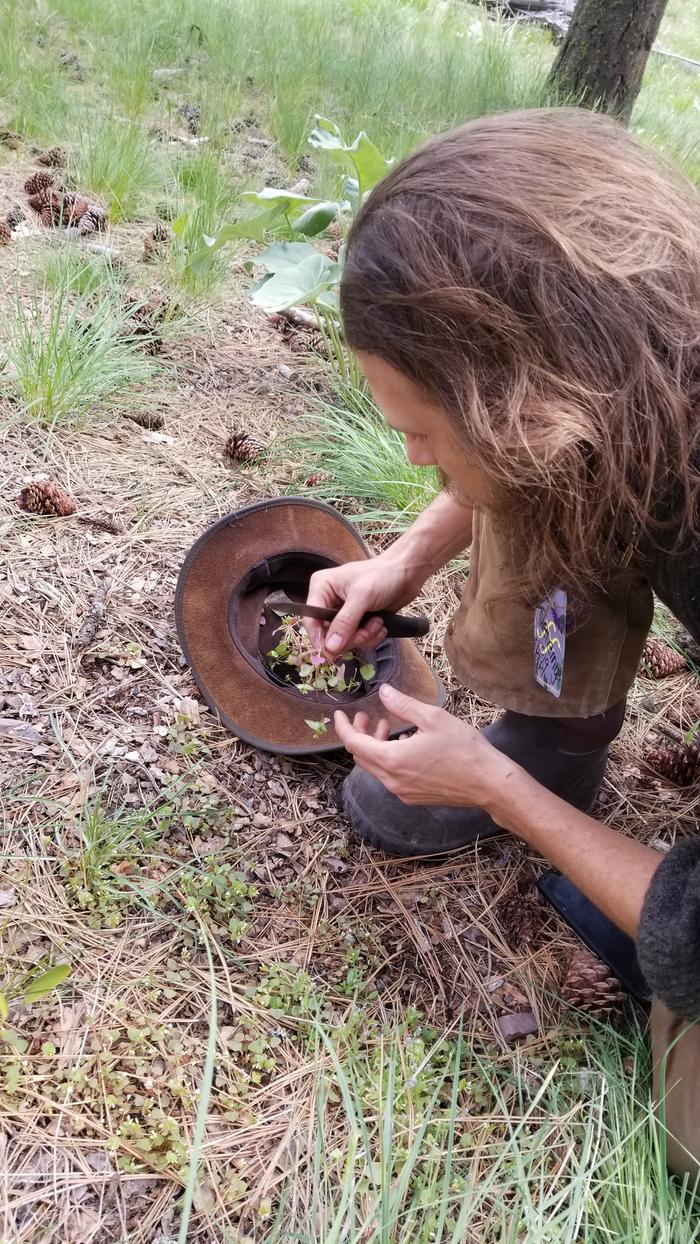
(567, 757)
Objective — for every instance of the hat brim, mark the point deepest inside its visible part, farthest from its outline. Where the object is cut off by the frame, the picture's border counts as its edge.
(247, 703)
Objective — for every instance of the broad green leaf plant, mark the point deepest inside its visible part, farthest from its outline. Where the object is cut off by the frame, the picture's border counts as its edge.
(30, 988)
(294, 272)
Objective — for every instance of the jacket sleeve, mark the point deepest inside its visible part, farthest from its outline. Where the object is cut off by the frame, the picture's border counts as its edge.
(668, 937)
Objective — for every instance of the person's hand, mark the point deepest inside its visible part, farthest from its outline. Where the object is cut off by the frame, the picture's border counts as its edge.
(446, 761)
(355, 589)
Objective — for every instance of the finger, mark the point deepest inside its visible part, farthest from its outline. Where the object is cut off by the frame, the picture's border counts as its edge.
(343, 629)
(316, 632)
(382, 729)
(369, 752)
(322, 591)
(369, 636)
(407, 709)
(361, 722)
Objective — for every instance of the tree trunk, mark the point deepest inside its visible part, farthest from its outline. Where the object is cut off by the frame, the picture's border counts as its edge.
(601, 62)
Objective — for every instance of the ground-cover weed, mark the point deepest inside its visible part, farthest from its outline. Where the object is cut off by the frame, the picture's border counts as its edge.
(67, 358)
(93, 868)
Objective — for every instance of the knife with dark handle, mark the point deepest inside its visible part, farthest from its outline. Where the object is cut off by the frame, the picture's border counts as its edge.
(398, 625)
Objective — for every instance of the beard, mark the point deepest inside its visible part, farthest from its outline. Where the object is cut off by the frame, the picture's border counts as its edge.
(453, 490)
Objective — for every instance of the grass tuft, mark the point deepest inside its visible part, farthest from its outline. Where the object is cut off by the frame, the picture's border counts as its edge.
(66, 268)
(116, 161)
(365, 457)
(68, 359)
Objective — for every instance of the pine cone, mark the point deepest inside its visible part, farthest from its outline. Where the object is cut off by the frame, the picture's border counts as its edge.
(70, 62)
(9, 139)
(40, 200)
(145, 318)
(58, 209)
(78, 208)
(191, 114)
(151, 249)
(166, 210)
(519, 915)
(53, 157)
(243, 447)
(145, 418)
(317, 477)
(37, 182)
(43, 497)
(589, 985)
(5, 233)
(15, 216)
(659, 661)
(95, 218)
(677, 762)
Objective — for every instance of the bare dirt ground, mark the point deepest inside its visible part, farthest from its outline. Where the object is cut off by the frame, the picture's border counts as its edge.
(130, 816)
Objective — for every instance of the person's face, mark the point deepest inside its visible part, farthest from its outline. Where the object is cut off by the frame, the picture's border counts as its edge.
(430, 440)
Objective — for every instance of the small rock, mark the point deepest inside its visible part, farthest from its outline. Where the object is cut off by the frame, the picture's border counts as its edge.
(100, 248)
(19, 731)
(513, 1027)
(260, 821)
(282, 842)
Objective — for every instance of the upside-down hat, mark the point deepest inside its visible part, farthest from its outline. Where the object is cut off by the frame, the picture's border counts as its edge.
(232, 568)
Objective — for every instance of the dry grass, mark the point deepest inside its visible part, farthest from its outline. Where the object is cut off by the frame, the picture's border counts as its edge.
(124, 801)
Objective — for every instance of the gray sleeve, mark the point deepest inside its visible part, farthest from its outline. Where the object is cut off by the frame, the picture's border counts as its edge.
(668, 937)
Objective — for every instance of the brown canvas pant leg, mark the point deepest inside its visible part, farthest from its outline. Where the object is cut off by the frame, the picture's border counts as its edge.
(675, 1046)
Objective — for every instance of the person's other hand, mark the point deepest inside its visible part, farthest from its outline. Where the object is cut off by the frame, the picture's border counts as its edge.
(355, 589)
(445, 761)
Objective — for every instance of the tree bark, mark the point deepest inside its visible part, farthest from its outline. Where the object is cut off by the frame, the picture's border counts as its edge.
(601, 62)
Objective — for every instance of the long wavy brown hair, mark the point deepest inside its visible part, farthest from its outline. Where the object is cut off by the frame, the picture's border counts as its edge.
(538, 275)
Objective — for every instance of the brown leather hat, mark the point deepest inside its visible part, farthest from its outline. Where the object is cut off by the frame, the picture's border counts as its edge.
(224, 582)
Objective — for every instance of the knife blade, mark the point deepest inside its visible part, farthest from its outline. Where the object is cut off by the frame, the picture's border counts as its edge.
(398, 625)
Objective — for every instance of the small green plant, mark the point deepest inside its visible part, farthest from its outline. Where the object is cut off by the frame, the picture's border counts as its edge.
(205, 195)
(285, 989)
(66, 358)
(308, 669)
(157, 1140)
(27, 988)
(97, 874)
(220, 894)
(295, 272)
